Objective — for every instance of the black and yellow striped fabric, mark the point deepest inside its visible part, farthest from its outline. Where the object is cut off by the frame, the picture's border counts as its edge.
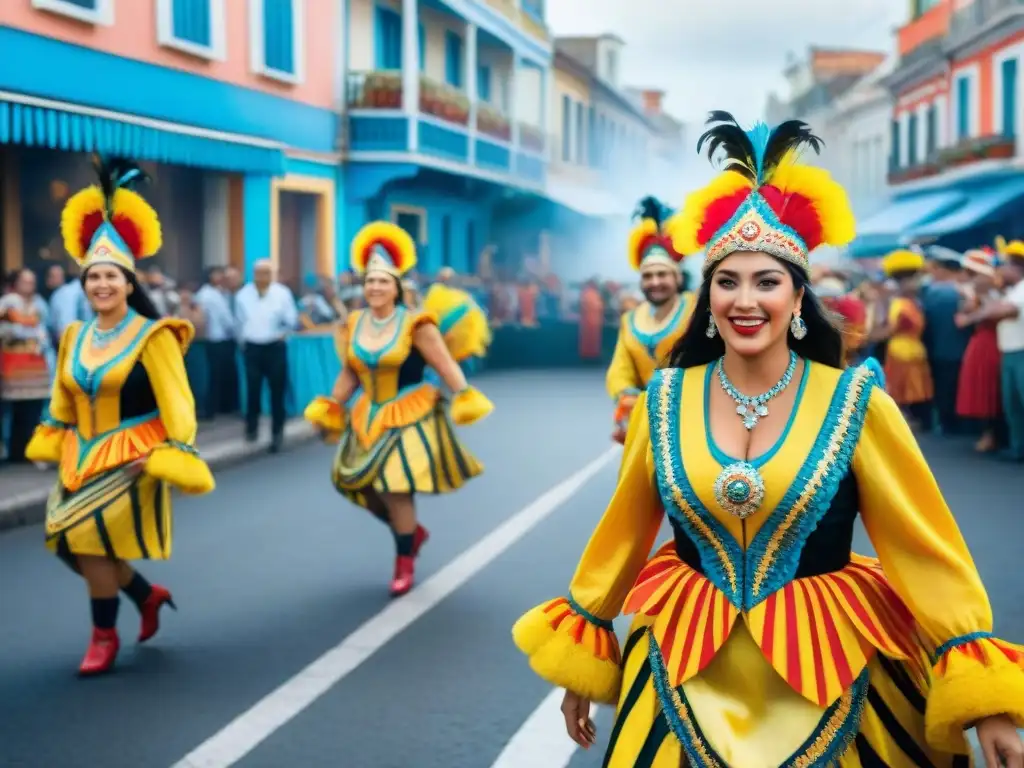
(115, 515)
(885, 727)
(422, 457)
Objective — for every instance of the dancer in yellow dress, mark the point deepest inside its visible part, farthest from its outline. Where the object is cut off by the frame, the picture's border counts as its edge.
(648, 332)
(759, 639)
(121, 422)
(397, 438)
(908, 375)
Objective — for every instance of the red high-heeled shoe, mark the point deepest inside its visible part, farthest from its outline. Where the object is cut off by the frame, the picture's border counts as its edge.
(419, 538)
(150, 611)
(101, 653)
(405, 575)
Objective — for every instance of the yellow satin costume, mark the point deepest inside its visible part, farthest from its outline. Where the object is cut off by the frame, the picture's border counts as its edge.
(642, 345)
(766, 642)
(398, 436)
(109, 408)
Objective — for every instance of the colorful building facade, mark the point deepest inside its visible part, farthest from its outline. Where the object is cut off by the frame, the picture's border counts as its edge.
(227, 103)
(445, 127)
(956, 160)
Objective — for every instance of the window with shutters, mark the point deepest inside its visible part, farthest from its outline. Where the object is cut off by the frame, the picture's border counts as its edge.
(196, 27)
(277, 31)
(91, 11)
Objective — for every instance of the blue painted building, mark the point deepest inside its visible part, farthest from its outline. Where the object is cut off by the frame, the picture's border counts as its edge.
(226, 102)
(446, 126)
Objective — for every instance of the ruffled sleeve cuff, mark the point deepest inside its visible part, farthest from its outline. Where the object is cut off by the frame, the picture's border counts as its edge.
(572, 649)
(47, 443)
(179, 464)
(975, 676)
(469, 406)
(327, 415)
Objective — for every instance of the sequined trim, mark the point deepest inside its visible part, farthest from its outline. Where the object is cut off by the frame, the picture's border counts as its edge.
(183, 447)
(830, 740)
(720, 554)
(956, 642)
(756, 227)
(773, 556)
(591, 618)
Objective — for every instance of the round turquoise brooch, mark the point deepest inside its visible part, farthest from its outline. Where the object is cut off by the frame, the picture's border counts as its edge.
(739, 489)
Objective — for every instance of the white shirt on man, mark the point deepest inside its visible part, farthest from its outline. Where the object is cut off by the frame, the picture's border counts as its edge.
(267, 318)
(1010, 333)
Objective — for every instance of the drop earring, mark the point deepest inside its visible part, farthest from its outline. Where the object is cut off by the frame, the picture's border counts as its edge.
(797, 327)
(712, 330)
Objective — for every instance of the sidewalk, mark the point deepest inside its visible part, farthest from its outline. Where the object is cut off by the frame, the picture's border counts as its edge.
(24, 488)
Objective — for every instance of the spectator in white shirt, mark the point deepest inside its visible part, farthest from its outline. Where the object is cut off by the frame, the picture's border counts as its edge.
(266, 314)
(222, 394)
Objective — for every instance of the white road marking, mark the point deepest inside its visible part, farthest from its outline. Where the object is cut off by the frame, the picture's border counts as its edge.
(239, 737)
(541, 741)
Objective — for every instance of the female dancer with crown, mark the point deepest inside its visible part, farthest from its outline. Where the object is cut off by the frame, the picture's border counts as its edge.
(759, 638)
(647, 332)
(121, 422)
(397, 437)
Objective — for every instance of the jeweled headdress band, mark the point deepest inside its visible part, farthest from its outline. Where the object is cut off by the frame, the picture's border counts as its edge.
(764, 200)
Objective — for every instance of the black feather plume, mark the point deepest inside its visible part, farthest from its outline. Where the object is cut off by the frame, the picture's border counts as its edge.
(651, 208)
(727, 134)
(787, 136)
(117, 173)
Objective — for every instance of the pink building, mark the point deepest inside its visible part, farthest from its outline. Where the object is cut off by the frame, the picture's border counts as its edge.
(231, 103)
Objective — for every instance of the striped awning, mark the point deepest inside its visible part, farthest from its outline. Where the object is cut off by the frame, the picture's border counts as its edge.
(31, 122)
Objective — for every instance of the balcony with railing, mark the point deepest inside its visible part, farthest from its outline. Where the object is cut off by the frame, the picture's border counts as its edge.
(963, 153)
(528, 15)
(932, 25)
(446, 125)
(978, 16)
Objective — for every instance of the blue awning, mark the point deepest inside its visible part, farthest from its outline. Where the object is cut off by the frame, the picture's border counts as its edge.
(33, 122)
(884, 231)
(983, 205)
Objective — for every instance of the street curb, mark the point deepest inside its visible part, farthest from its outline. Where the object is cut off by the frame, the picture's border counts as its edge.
(30, 508)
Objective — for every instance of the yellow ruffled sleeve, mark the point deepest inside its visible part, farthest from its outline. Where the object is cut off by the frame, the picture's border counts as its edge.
(570, 640)
(469, 406)
(926, 560)
(328, 416)
(622, 377)
(47, 443)
(177, 460)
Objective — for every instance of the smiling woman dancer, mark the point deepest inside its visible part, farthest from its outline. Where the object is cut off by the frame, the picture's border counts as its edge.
(759, 638)
(121, 421)
(397, 438)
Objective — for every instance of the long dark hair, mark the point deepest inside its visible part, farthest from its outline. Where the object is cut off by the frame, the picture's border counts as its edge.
(822, 344)
(138, 299)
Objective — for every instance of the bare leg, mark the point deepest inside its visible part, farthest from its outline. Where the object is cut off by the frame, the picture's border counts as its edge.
(101, 578)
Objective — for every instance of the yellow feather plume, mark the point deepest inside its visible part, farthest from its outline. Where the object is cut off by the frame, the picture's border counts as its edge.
(384, 233)
(132, 206)
(78, 207)
(902, 261)
(838, 225)
(685, 226)
(637, 236)
(461, 320)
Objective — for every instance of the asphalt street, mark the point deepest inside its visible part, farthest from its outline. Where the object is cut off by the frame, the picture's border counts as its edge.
(274, 570)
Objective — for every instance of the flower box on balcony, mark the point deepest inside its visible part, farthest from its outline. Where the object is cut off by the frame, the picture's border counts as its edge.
(443, 102)
(381, 90)
(531, 138)
(491, 122)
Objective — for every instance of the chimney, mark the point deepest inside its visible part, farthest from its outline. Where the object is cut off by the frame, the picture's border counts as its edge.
(652, 101)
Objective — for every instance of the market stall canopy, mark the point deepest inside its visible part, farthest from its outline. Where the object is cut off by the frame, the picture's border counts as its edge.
(886, 230)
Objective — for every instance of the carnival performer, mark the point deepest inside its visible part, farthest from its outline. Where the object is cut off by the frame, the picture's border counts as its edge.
(907, 373)
(759, 638)
(121, 422)
(648, 331)
(397, 438)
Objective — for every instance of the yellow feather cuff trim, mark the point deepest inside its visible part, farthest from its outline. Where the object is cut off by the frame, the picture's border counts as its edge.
(971, 681)
(469, 406)
(328, 416)
(47, 444)
(570, 652)
(185, 471)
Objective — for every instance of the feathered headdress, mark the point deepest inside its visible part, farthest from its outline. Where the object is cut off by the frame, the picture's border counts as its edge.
(764, 200)
(381, 246)
(902, 261)
(649, 245)
(111, 223)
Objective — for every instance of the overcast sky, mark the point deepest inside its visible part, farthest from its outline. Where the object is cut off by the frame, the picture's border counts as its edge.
(724, 54)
